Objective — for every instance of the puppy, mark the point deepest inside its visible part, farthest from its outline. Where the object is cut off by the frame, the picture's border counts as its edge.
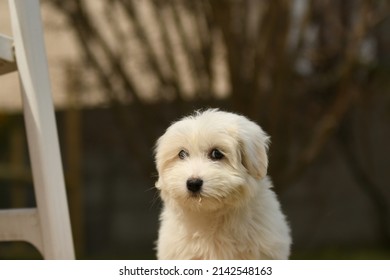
(218, 202)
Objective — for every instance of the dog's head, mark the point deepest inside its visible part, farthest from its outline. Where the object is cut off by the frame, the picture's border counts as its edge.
(210, 159)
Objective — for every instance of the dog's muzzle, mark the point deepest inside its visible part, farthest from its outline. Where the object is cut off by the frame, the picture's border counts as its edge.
(194, 185)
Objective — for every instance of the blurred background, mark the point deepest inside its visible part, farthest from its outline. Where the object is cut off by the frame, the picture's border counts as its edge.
(315, 74)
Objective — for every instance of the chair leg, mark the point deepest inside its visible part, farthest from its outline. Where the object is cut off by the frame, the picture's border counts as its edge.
(41, 130)
(21, 225)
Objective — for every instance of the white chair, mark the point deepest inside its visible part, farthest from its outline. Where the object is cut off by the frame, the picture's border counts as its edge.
(47, 226)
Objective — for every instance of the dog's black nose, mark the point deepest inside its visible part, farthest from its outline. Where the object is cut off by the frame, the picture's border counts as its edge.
(194, 184)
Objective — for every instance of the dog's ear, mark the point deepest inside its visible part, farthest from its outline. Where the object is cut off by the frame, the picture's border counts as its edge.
(253, 146)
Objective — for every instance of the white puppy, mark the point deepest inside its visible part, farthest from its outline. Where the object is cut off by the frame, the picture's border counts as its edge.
(218, 202)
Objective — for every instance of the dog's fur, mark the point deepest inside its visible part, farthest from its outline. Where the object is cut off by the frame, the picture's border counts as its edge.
(235, 214)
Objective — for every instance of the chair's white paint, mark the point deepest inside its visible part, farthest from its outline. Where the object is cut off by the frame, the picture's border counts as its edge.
(7, 60)
(48, 226)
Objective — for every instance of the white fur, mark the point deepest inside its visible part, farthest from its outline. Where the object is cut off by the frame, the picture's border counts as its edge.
(236, 215)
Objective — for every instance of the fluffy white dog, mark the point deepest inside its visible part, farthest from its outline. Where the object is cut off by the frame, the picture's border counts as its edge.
(218, 201)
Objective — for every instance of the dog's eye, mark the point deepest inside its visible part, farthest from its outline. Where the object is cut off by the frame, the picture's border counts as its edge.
(183, 154)
(216, 154)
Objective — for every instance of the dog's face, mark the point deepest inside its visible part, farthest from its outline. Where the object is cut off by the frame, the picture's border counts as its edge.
(207, 161)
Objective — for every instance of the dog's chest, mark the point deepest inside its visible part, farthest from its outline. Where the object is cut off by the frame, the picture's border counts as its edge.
(200, 237)
(217, 243)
